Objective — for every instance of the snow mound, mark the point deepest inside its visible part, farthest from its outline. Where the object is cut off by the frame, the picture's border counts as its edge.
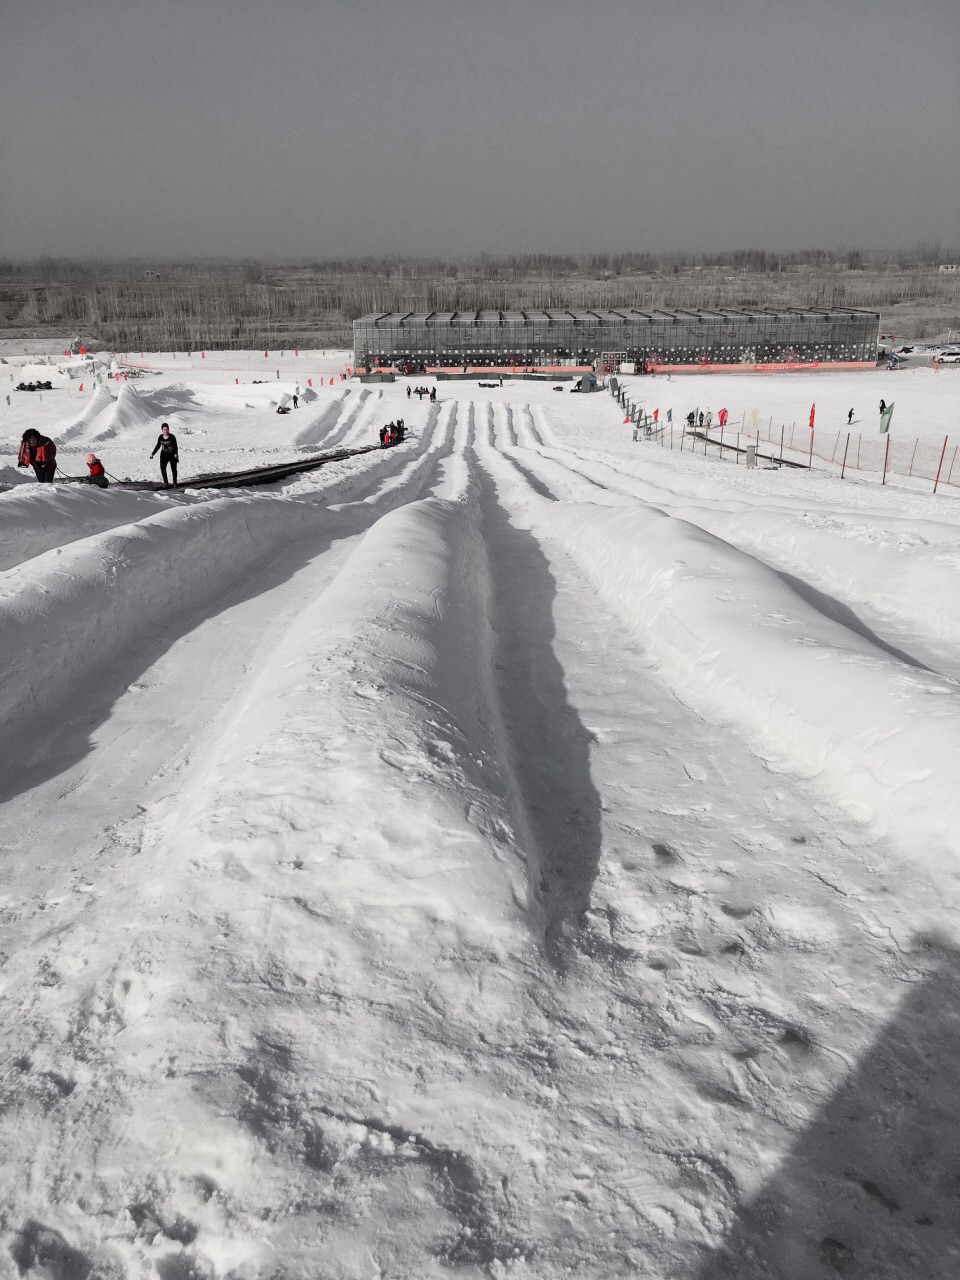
(100, 402)
(128, 411)
(737, 642)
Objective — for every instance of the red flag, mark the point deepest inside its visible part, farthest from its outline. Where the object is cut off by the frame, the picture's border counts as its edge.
(297, 351)
(83, 351)
(65, 351)
(203, 355)
(309, 382)
(265, 355)
(331, 382)
(626, 420)
(237, 381)
(656, 414)
(81, 386)
(813, 410)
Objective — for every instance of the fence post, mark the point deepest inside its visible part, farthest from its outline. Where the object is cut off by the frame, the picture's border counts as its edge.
(782, 430)
(913, 455)
(843, 465)
(736, 456)
(940, 467)
(886, 455)
(721, 444)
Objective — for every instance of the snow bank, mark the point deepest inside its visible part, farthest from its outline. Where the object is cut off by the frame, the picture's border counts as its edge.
(36, 517)
(334, 888)
(101, 401)
(738, 644)
(813, 696)
(64, 614)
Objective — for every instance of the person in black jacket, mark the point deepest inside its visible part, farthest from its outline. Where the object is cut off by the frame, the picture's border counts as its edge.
(169, 456)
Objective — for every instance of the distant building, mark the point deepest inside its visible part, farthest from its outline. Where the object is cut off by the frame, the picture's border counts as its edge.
(674, 339)
(949, 268)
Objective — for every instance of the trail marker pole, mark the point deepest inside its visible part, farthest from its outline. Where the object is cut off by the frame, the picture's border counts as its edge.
(810, 459)
(913, 455)
(736, 456)
(843, 465)
(953, 462)
(782, 429)
(721, 444)
(940, 467)
(886, 456)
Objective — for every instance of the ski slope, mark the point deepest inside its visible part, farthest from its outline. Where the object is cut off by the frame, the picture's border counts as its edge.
(523, 852)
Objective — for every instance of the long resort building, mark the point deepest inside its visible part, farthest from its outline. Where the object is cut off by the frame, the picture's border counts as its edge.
(554, 341)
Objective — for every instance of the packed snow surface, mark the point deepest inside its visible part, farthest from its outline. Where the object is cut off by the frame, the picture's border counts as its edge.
(522, 852)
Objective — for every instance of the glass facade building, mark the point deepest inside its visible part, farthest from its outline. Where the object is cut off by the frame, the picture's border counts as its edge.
(458, 339)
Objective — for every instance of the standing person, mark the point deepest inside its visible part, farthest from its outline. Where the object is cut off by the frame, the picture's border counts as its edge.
(849, 417)
(433, 395)
(296, 401)
(39, 452)
(883, 406)
(408, 390)
(169, 454)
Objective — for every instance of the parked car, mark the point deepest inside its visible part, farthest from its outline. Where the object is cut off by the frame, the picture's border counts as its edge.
(948, 357)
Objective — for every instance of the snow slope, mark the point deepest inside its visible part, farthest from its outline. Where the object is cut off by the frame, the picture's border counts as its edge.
(522, 852)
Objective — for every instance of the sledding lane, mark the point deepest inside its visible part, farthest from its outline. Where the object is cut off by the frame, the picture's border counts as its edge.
(841, 562)
(400, 912)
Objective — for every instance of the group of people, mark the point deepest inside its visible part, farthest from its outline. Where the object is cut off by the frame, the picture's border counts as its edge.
(420, 392)
(705, 420)
(392, 433)
(34, 386)
(40, 452)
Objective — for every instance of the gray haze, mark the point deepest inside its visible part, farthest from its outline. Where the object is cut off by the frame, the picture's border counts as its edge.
(290, 128)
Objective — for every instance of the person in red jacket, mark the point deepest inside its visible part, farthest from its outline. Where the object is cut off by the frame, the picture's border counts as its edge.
(39, 452)
(98, 475)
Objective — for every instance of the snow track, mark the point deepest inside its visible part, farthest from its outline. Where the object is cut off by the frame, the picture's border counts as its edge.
(473, 858)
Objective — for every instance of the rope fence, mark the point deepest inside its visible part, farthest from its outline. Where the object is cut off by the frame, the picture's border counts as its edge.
(841, 453)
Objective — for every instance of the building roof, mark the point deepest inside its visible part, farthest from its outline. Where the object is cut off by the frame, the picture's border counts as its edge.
(436, 319)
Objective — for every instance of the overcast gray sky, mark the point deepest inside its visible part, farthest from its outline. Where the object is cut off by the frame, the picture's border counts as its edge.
(306, 129)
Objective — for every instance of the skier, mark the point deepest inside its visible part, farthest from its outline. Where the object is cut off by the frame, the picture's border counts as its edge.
(691, 419)
(384, 434)
(883, 406)
(98, 475)
(296, 402)
(849, 417)
(169, 454)
(39, 452)
(433, 395)
(409, 390)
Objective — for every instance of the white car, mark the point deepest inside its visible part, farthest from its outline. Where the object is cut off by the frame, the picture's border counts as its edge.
(948, 357)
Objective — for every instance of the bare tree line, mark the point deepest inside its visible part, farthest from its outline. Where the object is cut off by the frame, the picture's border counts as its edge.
(169, 305)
